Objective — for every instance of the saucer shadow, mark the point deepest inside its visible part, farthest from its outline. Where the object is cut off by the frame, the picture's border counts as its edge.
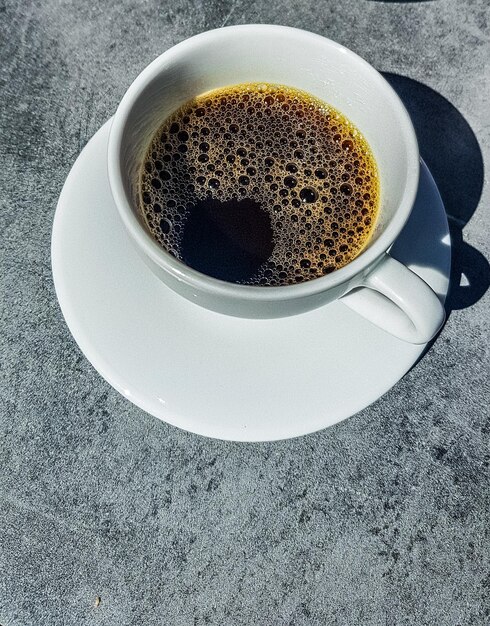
(451, 151)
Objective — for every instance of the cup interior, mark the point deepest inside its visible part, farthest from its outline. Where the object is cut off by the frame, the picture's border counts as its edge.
(285, 56)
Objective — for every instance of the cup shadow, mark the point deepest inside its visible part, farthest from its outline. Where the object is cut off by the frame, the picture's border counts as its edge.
(451, 151)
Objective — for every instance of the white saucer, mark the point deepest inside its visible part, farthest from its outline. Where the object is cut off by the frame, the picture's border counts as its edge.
(224, 377)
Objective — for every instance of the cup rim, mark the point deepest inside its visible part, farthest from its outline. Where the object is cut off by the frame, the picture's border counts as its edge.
(215, 286)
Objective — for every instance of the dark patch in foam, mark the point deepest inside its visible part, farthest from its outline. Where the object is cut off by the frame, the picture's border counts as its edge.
(227, 240)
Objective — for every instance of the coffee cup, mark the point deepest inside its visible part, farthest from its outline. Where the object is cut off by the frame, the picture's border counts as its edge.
(374, 284)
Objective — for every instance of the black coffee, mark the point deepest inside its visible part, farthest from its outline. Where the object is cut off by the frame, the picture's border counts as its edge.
(260, 184)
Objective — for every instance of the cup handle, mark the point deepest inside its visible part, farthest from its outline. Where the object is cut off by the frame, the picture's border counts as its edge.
(398, 301)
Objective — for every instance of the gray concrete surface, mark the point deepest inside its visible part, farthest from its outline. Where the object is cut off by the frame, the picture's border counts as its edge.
(382, 519)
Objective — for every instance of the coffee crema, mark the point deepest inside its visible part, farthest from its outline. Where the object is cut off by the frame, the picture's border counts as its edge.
(260, 184)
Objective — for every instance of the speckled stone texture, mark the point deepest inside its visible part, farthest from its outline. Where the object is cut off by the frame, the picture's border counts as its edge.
(382, 519)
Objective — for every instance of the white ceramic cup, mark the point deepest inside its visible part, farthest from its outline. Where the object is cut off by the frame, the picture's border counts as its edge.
(377, 286)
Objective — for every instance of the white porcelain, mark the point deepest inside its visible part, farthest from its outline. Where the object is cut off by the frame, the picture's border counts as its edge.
(214, 374)
(278, 54)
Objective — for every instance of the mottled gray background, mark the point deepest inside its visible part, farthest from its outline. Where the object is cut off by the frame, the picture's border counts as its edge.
(382, 519)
